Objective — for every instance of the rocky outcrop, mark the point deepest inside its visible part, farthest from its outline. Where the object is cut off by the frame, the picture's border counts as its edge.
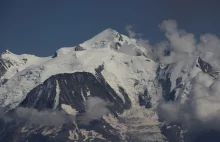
(79, 48)
(205, 67)
(145, 99)
(164, 80)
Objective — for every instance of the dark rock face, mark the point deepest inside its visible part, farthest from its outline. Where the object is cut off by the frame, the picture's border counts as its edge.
(120, 38)
(3, 68)
(145, 99)
(164, 81)
(25, 60)
(73, 91)
(79, 48)
(172, 133)
(167, 52)
(4, 65)
(117, 45)
(55, 55)
(100, 69)
(205, 67)
(178, 81)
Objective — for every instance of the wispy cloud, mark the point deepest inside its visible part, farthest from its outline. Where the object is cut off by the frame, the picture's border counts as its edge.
(131, 32)
(95, 109)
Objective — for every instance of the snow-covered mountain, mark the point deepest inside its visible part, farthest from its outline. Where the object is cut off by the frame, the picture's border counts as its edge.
(109, 66)
(24, 72)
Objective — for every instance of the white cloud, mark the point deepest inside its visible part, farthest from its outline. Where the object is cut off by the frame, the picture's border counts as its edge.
(180, 41)
(131, 32)
(95, 109)
(129, 29)
(185, 45)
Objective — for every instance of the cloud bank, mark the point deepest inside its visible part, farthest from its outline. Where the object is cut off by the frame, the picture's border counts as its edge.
(95, 109)
(31, 116)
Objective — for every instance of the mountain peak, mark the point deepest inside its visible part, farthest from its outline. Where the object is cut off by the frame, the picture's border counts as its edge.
(106, 34)
(109, 31)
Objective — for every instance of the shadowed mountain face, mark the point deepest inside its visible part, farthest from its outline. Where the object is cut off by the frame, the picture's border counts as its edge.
(74, 90)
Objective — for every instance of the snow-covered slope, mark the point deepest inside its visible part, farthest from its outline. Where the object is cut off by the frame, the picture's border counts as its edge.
(15, 63)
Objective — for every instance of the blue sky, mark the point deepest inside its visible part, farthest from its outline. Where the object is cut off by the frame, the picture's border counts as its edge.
(41, 27)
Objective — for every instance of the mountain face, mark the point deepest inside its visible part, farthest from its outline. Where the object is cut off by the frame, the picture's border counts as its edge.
(179, 82)
(105, 89)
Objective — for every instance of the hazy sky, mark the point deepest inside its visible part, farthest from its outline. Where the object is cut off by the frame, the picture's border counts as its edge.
(41, 27)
